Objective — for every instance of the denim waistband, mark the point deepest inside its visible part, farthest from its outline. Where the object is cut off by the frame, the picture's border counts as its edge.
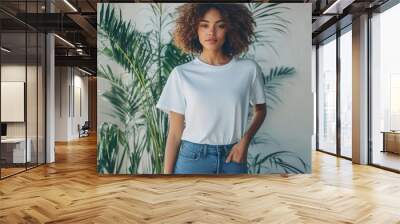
(207, 146)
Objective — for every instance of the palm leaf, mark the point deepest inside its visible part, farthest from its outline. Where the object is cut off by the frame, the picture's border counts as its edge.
(133, 51)
(273, 82)
(277, 160)
(108, 148)
(125, 99)
(268, 21)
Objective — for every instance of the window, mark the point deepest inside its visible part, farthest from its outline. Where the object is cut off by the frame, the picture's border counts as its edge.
(346, 93)
(385, 88)
(327, 96)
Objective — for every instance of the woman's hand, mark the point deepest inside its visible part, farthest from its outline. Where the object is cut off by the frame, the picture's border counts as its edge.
(238, 153)
(239, 150)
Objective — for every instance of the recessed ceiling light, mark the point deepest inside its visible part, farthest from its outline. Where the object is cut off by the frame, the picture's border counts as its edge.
(332, 8)
(64, 40)
(70, 5)
(84, 71)
(5, 50)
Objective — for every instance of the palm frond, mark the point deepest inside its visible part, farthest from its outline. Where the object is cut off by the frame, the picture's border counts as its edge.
(125, 99)
(128, 47)
(133, 51)
(109, 148)
(173, 57)
(136, 156)
(269, 20)
(282, 160)
(273, 82)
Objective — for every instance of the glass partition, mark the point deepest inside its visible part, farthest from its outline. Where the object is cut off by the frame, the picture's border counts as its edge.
(13, 109)
(346, 93)
(385, 89)
(327, 96)
(22, 67)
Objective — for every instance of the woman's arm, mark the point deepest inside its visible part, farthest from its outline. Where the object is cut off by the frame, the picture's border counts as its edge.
(239, 151)
(260, 112)
(176, 126)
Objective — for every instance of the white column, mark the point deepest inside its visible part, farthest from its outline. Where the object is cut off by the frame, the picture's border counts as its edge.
(360, 90)
(50, 108)
(50, 93)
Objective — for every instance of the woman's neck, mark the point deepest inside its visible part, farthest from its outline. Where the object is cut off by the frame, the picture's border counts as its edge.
(214, 57)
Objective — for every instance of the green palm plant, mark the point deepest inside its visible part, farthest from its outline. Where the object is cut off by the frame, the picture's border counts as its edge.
(273, 81)
(283, 161)
(279, 161)
(137, 52)
(269, 20)
(133, 51)
(108, 154)
(148, 60)
(125, 100)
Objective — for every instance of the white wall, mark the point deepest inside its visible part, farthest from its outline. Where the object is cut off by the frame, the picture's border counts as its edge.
(61, 103)
(80, 83)
(68, 81)
(33, 126)
(16, 73)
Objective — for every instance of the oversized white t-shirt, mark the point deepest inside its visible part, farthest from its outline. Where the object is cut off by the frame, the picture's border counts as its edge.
(213, 98)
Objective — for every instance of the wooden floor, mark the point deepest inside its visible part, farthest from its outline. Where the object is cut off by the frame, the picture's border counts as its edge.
(5, 172)
(70, 191)
(8, 171)
(387, 159)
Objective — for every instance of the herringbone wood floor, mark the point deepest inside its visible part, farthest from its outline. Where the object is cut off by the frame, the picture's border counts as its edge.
(70, 191)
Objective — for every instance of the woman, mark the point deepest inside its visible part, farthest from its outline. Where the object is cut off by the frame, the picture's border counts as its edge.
(207, 99)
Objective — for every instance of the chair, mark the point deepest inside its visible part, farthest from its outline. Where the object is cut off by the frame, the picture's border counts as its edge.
(84, 130)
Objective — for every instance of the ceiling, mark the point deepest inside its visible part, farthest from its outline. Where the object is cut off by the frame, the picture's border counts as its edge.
(75, 21)
(72, 20)
(332, 15)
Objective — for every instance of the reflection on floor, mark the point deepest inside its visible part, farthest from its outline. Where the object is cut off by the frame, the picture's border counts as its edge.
(346, 152)
(10, 169)
(386, 159)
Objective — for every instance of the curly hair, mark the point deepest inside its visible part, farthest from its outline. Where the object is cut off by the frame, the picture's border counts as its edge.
(239, 20)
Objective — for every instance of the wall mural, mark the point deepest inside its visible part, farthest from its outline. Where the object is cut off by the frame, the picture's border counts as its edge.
(136, 54)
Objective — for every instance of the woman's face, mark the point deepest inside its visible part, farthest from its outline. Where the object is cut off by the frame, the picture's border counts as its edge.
(212, 30)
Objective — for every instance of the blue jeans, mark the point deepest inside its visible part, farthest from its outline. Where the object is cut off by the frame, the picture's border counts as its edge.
(196, 158)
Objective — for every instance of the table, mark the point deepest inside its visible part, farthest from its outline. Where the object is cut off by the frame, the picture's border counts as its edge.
(391, 141)
(15, 148)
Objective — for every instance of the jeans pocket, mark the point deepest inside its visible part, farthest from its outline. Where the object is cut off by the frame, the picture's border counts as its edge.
(235, 168)
(242, 162)
(190, 152)
(239, 163)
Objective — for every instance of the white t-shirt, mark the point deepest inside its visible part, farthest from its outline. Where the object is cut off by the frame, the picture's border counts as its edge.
(213, 98)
